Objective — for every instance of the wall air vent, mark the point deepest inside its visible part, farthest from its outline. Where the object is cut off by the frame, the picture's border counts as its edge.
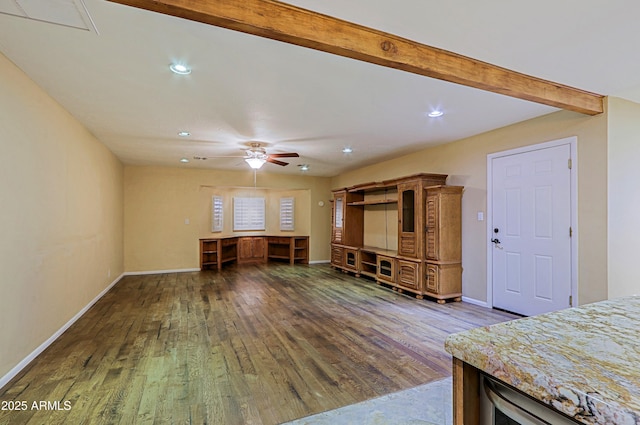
(69, 13)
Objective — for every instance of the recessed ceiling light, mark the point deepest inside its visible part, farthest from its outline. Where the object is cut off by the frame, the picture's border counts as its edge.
(180, 68)
(304, 167)
(435, 114)
(347, 149)
(184, 134)
(184, 160)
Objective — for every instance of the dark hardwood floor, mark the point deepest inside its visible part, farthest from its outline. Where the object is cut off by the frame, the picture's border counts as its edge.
(250, 345)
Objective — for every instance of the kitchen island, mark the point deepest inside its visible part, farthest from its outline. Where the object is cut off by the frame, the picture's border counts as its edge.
(582, 361)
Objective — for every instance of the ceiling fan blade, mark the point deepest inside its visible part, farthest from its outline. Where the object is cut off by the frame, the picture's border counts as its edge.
(284, 155)
(226, 156)
(275, 161)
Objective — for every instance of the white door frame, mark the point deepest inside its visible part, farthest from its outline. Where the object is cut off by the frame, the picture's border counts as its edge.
(573, 143)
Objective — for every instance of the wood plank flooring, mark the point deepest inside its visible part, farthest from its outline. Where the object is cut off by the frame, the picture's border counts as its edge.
(250, 345)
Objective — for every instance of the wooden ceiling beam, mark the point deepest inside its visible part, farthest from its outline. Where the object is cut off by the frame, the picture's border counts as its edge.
(291, 24)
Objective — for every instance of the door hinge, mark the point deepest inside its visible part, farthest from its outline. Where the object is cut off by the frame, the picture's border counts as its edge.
(570, 231)
(569, 163)
(570, 300)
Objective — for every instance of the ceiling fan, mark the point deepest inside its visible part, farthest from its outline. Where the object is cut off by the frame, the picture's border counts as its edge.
(257, 155)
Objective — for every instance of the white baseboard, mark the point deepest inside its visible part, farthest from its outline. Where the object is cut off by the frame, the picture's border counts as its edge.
(320, 262)
(35, 353)
(475, 302)
(160, 272)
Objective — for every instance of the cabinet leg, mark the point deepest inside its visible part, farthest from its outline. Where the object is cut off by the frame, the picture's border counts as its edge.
(457, 299)
(420, 297)
(441, 301)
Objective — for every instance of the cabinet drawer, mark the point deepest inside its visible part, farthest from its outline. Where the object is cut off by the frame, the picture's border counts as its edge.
(409, 274)
(336, 255)
(229, 242)
(279, 240)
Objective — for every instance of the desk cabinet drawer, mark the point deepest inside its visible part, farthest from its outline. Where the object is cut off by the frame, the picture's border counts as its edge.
(337, 253)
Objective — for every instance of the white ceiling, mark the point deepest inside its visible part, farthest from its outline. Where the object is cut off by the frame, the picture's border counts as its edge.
(244, 88)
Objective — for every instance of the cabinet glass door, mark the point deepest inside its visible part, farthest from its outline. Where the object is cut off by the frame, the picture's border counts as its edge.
(407, 214)
(386, 268)
(408, 211)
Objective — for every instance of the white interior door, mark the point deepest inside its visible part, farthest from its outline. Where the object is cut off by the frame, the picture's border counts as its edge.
(531, 223)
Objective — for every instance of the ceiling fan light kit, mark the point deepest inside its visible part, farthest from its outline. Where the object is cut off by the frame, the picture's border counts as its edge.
(255, 163)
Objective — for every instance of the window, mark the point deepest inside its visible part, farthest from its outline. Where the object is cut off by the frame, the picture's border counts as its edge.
(286, 213)
(248, 214)
(216, 213)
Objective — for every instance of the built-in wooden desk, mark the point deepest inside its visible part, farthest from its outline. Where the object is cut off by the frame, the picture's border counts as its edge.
(215, 252)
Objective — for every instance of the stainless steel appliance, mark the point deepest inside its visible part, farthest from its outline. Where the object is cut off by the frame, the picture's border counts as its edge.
(501, 405)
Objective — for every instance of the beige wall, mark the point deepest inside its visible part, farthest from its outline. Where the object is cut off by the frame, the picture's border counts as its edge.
(465, 162)
(159, 199)
(61, 213)
(624, 197)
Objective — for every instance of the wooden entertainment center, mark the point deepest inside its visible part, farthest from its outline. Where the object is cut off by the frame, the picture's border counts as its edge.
(428, 259)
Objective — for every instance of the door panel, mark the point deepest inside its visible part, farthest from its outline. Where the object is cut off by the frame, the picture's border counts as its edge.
(513, 283)
(432, 243)
(543, 280)
(409, 274)
(531, 255)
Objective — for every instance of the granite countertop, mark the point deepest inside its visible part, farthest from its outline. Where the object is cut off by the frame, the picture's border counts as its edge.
(583, 361)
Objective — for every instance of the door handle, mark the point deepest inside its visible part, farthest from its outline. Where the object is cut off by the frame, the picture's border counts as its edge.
(496, 243)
